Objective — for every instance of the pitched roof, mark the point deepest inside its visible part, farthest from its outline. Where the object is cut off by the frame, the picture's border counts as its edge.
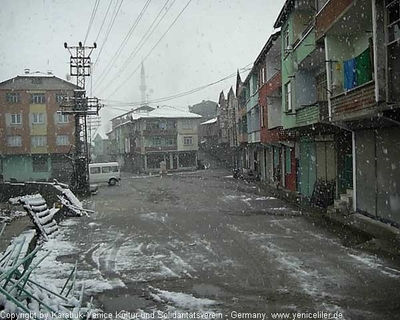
(47, 82)
(213, 120)
(283, 15)
(268, 46)
(166, 112)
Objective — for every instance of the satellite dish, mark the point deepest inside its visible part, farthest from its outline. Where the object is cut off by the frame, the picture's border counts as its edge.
(68, 77)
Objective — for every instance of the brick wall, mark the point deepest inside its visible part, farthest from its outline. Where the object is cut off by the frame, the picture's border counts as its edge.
(347, 105)
(23, 130)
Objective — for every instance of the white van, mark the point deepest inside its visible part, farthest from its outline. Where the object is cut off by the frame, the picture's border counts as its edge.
(104, 172)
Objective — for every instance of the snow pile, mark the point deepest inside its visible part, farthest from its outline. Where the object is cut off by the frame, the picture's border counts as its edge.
(181, 300)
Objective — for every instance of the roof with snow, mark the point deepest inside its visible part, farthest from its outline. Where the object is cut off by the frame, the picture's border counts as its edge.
(213, 120)
(166, 112)
(37, 81)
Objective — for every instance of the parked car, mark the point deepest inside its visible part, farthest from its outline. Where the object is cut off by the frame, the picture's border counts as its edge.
(108, 172)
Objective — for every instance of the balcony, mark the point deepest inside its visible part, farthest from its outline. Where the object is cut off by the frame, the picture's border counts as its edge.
(161, 148)
(253, 137)
(160, 132)
(354, 103)
(311, 114)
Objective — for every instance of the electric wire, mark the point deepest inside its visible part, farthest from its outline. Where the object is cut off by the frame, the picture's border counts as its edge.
(110, 26)
(117, 105)
(123, 44)
(152, 49)
(104, 20)
(140, 44)
(94, 11)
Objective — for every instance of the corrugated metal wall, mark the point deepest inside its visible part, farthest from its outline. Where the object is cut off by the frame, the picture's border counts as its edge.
(378, 172)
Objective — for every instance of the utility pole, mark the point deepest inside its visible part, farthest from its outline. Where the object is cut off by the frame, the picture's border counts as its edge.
(80, 106)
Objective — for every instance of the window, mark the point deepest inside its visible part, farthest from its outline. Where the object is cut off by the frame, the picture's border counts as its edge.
(106, 170)
(393, 20)
(187, 141)
(156, 141)
(59, 98)
(13, 97)
(16, 118)
(38, 141)
(62, 140)
(187, 124)
(95, 170)
(38, 98)
(39, 163)
(169, 141)
(286, 40)
(14, 141)
(63, 118)
(288, 96)
(37, 118)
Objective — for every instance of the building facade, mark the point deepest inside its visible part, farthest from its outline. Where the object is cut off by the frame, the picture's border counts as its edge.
(164, 134)
(318, 113)
(36, 140)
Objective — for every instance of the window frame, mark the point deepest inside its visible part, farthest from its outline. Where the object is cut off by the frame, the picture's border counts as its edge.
(65, 140)
(38, 98)
(13, 97)
(38, 138)
(15, 116)
(61, 116)
(40, 118)
(288, 97)
(188, 140)
(14, 145)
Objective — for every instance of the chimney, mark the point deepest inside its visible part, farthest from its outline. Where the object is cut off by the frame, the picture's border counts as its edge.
(49, 71)
(27, 70)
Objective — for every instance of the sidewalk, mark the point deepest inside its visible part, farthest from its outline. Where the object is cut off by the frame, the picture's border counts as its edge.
(383, 236)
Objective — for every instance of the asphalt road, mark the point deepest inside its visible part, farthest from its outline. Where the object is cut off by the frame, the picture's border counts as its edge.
(202, 241)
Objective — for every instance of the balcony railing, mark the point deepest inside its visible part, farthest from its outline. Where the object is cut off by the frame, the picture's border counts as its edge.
(160, 132)
(161, 148)
(348, 104)
(311, 114)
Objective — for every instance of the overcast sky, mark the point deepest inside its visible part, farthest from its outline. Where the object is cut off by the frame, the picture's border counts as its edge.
(209, 41)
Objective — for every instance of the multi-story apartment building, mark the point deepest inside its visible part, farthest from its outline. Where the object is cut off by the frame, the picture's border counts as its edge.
(277, 160)
(253, 121)
(241, 125)
(363, 68)
(35, 138)
(162, 134)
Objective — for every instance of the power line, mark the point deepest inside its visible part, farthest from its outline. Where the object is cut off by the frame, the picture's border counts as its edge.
(112, 21)
(152, 49)
(104, 20)
(172, 97)
(94, 11)
(141, 43)
(124, 42)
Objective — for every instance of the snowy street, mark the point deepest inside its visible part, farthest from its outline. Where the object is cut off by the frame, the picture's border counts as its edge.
(202, 241)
